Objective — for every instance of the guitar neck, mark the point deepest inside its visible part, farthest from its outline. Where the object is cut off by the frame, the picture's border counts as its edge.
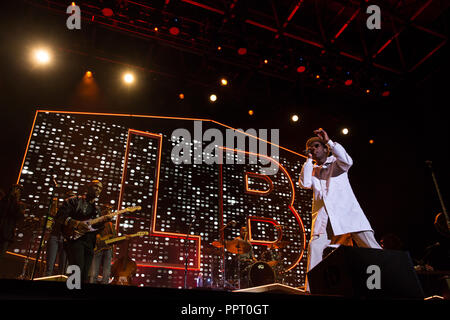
(102, 218)
(115, 240)
(112, 240)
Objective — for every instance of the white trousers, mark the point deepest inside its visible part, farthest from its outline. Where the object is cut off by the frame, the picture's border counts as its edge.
(318, 243)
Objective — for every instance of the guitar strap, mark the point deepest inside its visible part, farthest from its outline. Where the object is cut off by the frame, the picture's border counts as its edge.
(82, 206)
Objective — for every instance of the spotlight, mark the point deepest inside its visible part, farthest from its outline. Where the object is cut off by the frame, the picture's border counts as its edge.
(107, 12)
(251, 112)
(301, 69)
(242, 51)
(213, 98)
(181, 96)
(266, 61)
(128, 78)
(223, 82)
(348, 82)
(295, 118)
(174, 31)
(371, 141)
(345, 131)
(42, 56)
(88, 74)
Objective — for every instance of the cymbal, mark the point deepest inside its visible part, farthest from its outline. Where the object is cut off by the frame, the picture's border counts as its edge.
(237, 246)
(217, 244)
(280, 244)
(212, 251)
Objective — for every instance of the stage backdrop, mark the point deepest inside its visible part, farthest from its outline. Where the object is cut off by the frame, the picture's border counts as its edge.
(133, 156)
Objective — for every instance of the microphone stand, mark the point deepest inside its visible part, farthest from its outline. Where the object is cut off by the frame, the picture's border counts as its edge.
(441, 200)
(222, 241)
(186, 256)
(44, 228)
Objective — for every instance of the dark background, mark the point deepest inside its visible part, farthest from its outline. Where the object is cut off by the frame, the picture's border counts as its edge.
(390, 177)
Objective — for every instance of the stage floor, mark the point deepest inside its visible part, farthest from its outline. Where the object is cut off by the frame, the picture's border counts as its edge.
(40, 297)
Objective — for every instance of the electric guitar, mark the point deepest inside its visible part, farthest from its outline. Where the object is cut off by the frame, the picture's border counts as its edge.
(71, 233)
(104, 244)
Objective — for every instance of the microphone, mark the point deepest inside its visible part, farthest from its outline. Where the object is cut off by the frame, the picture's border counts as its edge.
(306, 152)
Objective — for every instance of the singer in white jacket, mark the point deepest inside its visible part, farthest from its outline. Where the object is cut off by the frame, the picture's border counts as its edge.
(337, 217)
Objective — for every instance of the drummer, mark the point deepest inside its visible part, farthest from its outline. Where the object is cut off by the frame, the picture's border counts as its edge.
(246, 259)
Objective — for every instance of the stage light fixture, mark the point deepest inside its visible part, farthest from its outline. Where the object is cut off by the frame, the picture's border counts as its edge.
(345, 131)
(174, 31)
(242, 51)
(88, 74)
(213, 98)
(107, 12)
(42, 56)
(348, 82)
(251, 112)
(295, 118)
(181, 96)
(128, 78)
(223, 81)
(301, 69)
(175, 27)
(266, 61)
(371, 141)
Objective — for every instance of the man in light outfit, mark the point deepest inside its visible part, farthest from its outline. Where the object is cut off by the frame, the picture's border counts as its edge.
(337, 217)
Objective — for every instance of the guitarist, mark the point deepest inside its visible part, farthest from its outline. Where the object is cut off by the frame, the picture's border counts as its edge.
(70, 216)
(103, 258)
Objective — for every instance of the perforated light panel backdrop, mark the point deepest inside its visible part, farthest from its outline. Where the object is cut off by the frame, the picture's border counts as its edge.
(132, 155)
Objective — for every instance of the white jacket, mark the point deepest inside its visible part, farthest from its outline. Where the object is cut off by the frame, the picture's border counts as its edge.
(333, 195)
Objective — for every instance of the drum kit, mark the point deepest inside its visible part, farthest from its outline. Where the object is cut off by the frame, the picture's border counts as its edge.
(246, 270)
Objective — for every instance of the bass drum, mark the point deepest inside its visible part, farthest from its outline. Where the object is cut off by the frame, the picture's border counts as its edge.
(260, 273)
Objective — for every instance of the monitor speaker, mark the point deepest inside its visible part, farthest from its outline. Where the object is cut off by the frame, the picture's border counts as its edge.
(366, 273)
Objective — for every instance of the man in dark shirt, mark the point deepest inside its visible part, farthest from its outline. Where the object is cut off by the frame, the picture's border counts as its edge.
(11, 212)
(72, 216)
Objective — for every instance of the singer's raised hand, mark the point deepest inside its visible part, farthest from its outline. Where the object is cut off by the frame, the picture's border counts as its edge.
(322, 134)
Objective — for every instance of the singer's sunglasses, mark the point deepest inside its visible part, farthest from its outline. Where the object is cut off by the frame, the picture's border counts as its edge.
(315, 145)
